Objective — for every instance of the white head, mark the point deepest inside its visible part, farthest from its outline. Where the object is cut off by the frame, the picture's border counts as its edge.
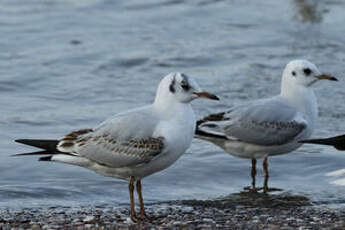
(180, 88)
(302, 73)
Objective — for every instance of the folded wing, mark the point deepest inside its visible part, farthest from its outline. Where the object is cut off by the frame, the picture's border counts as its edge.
(263, 122)
(124, 140)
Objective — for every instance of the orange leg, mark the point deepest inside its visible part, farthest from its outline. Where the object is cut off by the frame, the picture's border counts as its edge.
(131, 196)
(141, 200)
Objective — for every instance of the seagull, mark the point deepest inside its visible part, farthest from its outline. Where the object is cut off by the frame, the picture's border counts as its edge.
(136, 143)
(271, 126)
(337, 142)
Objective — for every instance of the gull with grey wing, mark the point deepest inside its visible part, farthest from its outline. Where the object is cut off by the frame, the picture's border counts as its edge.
(268, 127)
(136, 143)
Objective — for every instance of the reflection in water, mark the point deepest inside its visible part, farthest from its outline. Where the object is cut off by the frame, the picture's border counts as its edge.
(282, 200)
(309, 11)
(340, 175)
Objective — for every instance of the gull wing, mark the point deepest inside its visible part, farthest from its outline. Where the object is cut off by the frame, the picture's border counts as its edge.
(124, 140)
(262, 122)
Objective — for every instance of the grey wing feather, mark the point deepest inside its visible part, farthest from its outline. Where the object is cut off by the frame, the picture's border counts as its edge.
(124, 140)
(262, 122)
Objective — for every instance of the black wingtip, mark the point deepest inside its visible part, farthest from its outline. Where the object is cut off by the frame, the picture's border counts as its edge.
(48, 145)
(304, 141)
(22, 141)
(199, 132)
(31, 153)
(48, 158)
(325, 141)
(338, 142)
(316, 141)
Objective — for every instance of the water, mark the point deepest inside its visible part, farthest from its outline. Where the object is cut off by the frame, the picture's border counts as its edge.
(66, 65)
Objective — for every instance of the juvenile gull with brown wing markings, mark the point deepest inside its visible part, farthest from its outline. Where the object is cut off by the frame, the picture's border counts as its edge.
(268, 127)
(136, 143)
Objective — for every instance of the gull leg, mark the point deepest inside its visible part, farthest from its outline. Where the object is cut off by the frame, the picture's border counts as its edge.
(131, 196)
(141, 201)
(266, 189)
(253, 172)
(252, 189)
(265, 166)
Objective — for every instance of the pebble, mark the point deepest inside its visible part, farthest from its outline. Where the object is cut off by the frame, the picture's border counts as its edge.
(231, 214)
(89, 219)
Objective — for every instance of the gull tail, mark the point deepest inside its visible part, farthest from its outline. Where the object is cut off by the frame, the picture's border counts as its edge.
(48, 148)
(338, 142)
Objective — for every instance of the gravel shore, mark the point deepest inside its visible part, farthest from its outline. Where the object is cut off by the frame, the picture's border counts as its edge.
(238, 211)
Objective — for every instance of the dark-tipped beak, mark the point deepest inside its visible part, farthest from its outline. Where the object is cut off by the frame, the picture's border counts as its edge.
(326, 77)
(207, 95)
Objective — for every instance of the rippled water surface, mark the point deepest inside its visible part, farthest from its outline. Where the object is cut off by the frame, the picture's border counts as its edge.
(66, 65)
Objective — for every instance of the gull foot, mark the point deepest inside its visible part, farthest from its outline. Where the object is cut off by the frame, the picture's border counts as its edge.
(135, 219)
(248, 189)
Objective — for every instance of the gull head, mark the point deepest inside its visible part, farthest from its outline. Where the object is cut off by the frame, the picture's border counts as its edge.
(180, 88)
(303, 73)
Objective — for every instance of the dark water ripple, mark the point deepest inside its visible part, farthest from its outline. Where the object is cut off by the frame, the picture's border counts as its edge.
(66, 65)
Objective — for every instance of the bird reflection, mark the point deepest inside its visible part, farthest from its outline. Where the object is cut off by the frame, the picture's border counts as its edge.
(309, 11)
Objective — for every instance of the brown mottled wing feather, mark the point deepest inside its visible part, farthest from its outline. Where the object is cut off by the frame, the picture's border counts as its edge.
(126, 139)
(108, 151)
(121, 153)
(69, 140)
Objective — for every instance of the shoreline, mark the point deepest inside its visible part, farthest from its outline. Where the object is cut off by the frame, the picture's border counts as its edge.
(237, 211)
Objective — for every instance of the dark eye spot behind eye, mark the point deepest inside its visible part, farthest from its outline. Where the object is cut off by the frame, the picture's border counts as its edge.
(293, 73)
(185, 86)
(172, 86)
(307, 71)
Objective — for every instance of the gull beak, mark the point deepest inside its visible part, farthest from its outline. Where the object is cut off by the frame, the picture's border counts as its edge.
(207, 95)
(326, 77)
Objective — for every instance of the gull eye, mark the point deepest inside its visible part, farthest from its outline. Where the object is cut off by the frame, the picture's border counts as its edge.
(307, 71)
(185, 86)
(293, 73)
